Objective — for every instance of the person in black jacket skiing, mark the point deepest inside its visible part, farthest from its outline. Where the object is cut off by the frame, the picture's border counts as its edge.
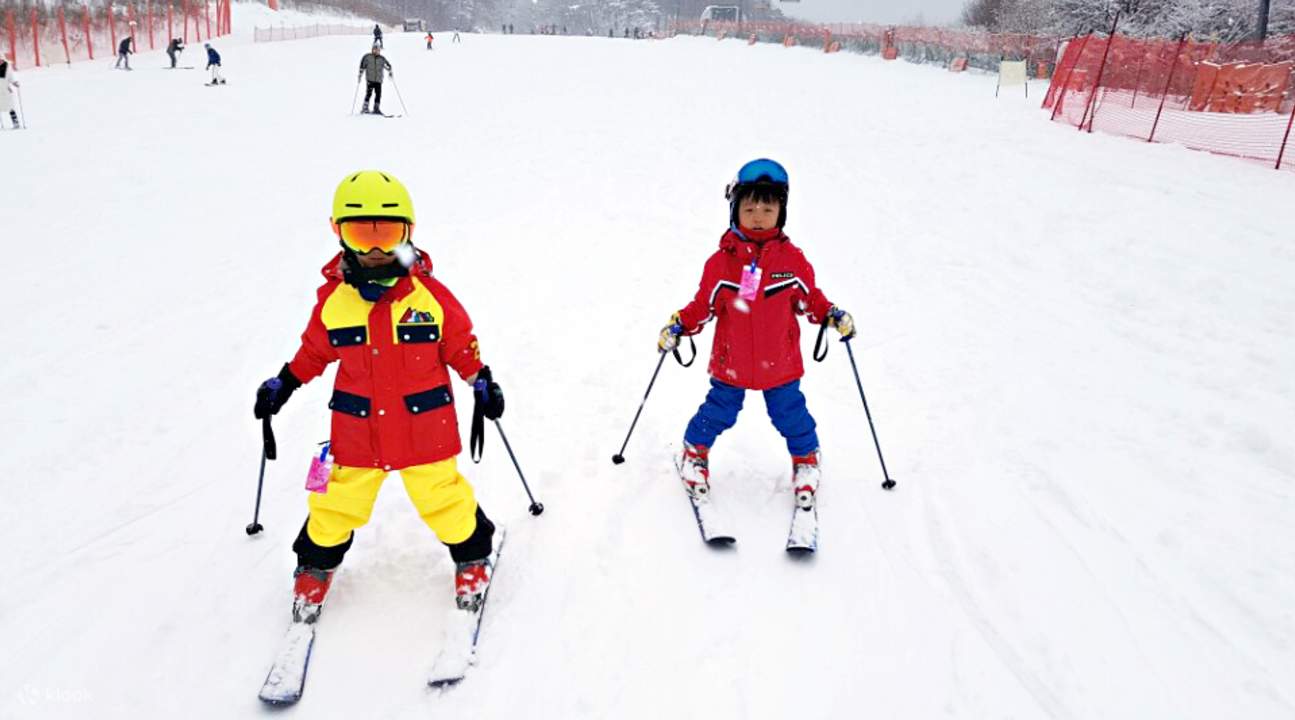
(377, 35)
(371, 67)
(124, 49)
(173, 50)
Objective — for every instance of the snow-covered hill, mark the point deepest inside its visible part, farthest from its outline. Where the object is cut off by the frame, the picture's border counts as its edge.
(1077, 350)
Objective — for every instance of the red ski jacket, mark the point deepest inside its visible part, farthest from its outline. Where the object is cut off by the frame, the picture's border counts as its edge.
(392, 402)
(757, 342)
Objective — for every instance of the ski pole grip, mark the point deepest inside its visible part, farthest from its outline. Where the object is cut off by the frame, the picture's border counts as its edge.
(267, 438)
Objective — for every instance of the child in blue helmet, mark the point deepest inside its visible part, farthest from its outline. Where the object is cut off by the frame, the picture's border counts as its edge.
(756, 286)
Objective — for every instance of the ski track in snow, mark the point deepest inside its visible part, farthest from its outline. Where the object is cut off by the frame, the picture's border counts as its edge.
(1075, 347)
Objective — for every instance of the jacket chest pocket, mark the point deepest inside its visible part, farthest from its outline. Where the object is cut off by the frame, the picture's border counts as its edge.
(419, 348)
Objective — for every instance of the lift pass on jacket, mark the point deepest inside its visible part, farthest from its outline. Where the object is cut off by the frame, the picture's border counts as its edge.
(750, 282)
(320, 469)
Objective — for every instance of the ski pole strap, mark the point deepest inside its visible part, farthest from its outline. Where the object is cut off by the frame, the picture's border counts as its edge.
(267, 439)
(477, 440)
(679, 358)
(820, 347)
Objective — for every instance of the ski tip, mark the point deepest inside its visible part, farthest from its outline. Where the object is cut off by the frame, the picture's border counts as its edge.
(444, 683)
(722, 541)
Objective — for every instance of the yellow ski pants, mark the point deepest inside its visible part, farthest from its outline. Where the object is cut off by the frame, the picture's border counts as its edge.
(442, 496)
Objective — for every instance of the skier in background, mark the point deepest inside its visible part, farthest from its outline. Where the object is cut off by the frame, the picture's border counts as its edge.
(8, 81)
(755, 286)
(396, 332)
(124, 49)
(173, 50)
(371, 67)
(429, 40)
(377, 35)
(456, 38)
(213, 64)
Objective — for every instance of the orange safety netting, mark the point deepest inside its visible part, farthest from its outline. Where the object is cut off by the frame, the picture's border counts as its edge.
(1229, 99)
(47, 36)
(918, 44)
(275, 34)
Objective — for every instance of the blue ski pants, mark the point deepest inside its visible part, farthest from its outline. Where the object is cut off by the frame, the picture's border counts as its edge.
(786, 406)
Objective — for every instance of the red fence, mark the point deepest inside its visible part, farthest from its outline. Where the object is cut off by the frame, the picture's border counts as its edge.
(41, 36)
(917, 44)
(275, 34)
(1229, 99)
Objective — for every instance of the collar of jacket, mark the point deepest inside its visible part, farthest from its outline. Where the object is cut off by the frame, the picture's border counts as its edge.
(736, 244)
(422, 267)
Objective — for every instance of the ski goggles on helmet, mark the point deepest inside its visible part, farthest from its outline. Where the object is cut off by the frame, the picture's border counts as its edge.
(365, 235)
(762, 171)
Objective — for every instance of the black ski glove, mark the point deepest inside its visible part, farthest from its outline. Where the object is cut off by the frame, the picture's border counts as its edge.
(488, 395)
(488, 402)
(273, 394)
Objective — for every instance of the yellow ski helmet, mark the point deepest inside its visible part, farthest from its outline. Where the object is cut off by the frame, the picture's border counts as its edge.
(372, 194)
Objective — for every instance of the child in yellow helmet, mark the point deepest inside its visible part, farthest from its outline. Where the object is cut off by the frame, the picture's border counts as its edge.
(396, 332)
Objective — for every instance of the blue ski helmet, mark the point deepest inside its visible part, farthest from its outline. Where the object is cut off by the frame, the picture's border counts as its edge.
(764, 176)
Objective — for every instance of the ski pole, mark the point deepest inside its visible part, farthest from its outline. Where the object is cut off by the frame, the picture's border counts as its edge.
(535, 508)
(888, 484)
(268, 452)
(355, 95)
(22, 114)
(403, 109)
(619, 457)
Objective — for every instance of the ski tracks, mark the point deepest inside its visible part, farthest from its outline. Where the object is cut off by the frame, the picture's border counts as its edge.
(942, 544)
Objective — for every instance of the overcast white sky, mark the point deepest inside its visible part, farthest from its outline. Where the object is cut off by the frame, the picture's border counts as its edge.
(879, 11)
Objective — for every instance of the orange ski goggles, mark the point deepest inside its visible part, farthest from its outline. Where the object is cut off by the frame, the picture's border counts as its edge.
(364, 235)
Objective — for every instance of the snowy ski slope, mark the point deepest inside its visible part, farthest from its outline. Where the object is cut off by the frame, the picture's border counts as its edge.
(1077, 350)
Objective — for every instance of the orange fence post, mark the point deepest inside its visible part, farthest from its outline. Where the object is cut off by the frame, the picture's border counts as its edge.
(184, 16)
(35, 36)
(1155, 124)
(148, 19)
(1281, 153)
(170, 29)
(13, 38)
(1065, 86)
(89, 40)
(1090, 112)
(206, 9)
(62, 31)
(112, 28)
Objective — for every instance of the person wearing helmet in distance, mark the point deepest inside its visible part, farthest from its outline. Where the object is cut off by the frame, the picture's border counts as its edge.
(396, 332)
(213, 64)
(755, 286)
(372, 64)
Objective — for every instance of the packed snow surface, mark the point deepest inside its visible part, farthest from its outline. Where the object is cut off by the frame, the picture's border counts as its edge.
(1077, 350)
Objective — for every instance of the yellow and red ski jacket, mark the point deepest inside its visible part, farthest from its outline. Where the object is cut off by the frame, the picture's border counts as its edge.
(392, 402)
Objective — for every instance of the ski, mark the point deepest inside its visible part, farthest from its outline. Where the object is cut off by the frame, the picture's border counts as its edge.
(214, 84)
(380, 114)
(462, 630)
(713, 527)
(802, 539)
(287, 677)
